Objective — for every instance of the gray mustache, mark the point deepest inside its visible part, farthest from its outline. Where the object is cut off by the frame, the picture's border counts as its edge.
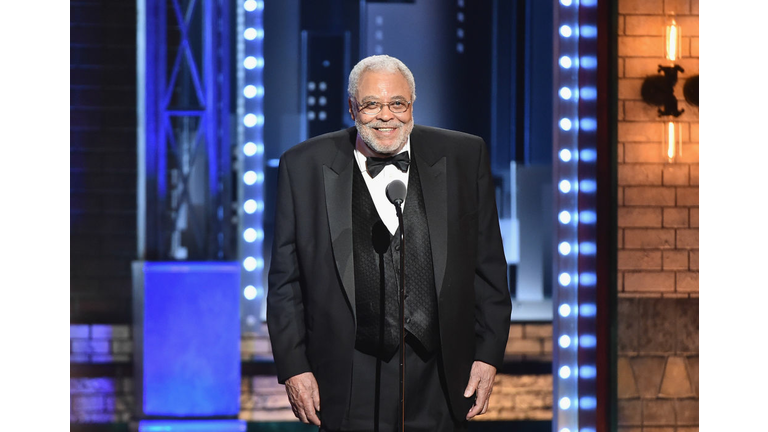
(384, 125)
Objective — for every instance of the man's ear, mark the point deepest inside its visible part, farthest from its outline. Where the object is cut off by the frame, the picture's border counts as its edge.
(351, 110)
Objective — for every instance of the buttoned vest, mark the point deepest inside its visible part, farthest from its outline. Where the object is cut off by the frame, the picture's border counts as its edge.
(377, 273)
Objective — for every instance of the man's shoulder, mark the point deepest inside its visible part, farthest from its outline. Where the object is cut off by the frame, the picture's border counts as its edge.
(322, 145)
(438, 141)
(432, 132)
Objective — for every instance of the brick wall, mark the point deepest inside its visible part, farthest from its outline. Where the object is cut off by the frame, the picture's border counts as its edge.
(100, 399)
(658, 363)
(532, 341)
(100, 343)
(109, 399)
(102, 159)
(515, 396)
(658, 229)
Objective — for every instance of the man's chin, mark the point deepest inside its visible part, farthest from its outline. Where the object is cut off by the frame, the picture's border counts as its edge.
(385, 149)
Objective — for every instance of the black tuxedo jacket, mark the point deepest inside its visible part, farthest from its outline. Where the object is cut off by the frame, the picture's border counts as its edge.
(311, 298)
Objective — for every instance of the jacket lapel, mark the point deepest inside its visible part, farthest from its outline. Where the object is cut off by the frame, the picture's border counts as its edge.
(432, 169)
(337, 178)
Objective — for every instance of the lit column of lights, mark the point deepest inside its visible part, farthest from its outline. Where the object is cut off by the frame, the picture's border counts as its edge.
(574, 322)
(250, 106)
(587, 227)
(565, 294)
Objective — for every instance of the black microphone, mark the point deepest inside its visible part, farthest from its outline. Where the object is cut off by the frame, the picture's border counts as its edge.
(396, 192)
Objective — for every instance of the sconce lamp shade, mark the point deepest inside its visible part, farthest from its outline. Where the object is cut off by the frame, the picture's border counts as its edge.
(659, 90)
(655, 90)
(691, 90)
(672, 40)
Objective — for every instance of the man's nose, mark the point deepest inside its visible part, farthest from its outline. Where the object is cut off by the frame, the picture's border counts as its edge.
(385, 114)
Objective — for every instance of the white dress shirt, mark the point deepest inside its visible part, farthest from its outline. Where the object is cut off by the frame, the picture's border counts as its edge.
(377, 186)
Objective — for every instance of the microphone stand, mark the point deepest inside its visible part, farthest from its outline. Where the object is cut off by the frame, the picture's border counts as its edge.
(402, 313)
(396, 192)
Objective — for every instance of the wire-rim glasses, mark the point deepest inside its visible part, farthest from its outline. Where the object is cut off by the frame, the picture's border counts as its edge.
(397, 106)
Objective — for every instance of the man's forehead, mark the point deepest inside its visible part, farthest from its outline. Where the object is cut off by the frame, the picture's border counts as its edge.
(372, 82)
(365, 98)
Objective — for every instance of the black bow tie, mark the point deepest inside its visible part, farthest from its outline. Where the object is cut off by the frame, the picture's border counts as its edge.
(374, 165)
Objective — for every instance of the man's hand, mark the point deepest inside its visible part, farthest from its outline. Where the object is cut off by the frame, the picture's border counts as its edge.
(305, 397)
(480, 383)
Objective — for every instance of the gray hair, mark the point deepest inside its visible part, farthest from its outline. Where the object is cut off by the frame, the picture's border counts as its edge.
(380, 63)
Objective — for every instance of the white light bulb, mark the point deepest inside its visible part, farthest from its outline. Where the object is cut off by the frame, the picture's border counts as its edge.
(249, 149)
(249, 235)
(249, 264)
(249, 178)
(564, 341)
(564, 217)
(250, 292)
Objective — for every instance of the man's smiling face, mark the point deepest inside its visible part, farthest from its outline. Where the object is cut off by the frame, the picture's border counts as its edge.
(385, 132)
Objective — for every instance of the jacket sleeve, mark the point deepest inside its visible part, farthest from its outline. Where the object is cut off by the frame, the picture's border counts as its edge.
(492, 300)
(285, 306)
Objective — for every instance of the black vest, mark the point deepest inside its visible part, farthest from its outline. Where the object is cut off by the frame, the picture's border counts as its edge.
(377, 273)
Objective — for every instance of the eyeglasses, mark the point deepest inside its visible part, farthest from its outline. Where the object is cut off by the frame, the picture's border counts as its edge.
(374, 107)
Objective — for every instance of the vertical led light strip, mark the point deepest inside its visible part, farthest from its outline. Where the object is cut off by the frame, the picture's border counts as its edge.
(565, 316)
(575, 172)
(250, 107)
(587, 221)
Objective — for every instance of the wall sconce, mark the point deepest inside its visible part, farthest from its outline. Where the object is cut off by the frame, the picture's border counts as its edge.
(659, 90)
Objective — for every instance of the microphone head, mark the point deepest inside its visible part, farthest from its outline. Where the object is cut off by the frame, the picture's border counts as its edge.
(396, 192)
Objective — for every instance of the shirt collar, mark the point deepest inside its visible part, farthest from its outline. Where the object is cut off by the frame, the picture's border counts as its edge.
(361, 158)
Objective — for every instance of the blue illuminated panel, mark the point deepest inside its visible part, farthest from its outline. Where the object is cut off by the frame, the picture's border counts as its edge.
(192, 426)
(187, 336)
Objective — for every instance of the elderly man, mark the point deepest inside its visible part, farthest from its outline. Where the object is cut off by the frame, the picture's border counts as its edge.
(333, 301)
